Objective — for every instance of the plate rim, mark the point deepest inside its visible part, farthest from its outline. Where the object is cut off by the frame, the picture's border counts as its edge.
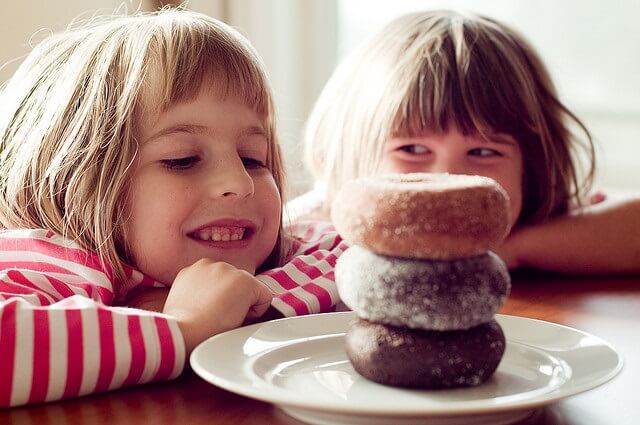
(260, 392)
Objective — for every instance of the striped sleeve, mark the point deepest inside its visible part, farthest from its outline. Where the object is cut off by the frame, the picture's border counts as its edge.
(305, 284)
(59, 338)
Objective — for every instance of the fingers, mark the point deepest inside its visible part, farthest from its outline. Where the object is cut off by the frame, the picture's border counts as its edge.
(588, 200)
(262, 301)
(597, 197)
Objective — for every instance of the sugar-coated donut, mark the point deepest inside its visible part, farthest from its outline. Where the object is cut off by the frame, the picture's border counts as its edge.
(422, 294)
(422, 215)
(412, 358)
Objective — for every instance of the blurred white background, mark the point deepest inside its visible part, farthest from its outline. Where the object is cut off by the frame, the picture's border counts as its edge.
(591, 47)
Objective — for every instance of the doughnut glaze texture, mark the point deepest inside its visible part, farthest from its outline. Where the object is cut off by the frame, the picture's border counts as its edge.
(422, 294)
(422, 215)
(409, 358)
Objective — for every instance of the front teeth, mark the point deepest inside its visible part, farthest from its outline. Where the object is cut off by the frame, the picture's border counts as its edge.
(223, 234)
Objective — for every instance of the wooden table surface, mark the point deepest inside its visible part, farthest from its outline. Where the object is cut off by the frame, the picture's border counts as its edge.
(608, 307)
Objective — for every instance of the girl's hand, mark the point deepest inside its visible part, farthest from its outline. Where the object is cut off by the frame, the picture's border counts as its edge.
(210, 297)
(593, 198)
(597, 197)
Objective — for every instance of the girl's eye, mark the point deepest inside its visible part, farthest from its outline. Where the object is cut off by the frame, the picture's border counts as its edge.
(484, 152)
(180, 163)
(414, 149)
(252, 162)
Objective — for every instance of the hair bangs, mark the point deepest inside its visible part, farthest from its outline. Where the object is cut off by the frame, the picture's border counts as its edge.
(436, 103)
(460, 85)
(186, 55)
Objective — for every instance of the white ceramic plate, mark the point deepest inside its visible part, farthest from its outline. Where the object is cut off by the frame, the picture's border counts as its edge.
(299, 364)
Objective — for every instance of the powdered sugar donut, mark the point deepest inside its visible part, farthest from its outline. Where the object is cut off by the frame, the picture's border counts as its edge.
(422, 294)
(422, 215)
(413, 358)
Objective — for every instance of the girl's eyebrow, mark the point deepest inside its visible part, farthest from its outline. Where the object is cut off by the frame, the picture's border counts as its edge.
(500, 138)
(201, 130)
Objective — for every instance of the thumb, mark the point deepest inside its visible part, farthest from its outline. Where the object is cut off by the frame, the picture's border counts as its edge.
(262, 297)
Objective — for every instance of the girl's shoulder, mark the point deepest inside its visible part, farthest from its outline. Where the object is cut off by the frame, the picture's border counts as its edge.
(37, 239)
(40, 255)
(308, 206)
(37, 247)
(41, 250)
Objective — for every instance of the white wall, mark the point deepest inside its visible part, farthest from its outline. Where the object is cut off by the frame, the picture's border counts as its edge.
(23, 21)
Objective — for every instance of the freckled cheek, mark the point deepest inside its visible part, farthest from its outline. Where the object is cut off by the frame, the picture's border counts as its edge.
(157, 205)
(270, 203)
(516, 207)
(514, 190)
(517, 191)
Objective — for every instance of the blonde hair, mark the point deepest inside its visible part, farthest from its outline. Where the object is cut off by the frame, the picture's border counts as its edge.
(68, 118)
(438, 69)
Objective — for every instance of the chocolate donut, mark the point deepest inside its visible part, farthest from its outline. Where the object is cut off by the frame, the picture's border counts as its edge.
(421, 215)
(410, 358)
(423, 294)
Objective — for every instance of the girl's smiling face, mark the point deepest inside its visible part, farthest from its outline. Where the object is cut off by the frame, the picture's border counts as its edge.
(201, 189)
(452, 152)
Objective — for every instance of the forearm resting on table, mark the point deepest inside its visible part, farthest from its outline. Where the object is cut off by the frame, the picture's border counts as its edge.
(153, 300)
(602, 238)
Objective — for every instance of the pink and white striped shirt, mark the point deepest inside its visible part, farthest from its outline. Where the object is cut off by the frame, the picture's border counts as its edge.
(63, 332)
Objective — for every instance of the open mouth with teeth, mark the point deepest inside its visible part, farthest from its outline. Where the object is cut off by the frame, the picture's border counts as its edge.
(222, 233)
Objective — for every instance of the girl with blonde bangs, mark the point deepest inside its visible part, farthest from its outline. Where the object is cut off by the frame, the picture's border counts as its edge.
(140, 168)
(440, 91)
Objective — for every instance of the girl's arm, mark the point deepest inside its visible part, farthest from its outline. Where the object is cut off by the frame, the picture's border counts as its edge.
(305, 284)
(79, 346)
(154, 299)
(600, 238)
(211, 297)
(59, 338)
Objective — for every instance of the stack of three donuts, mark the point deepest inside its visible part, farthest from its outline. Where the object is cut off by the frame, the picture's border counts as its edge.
(422, 279)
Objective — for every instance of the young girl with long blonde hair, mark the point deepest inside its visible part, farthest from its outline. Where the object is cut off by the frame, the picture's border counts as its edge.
(441, 91)
(140, 168)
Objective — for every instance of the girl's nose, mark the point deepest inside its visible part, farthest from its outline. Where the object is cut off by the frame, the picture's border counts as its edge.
(232, 180)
